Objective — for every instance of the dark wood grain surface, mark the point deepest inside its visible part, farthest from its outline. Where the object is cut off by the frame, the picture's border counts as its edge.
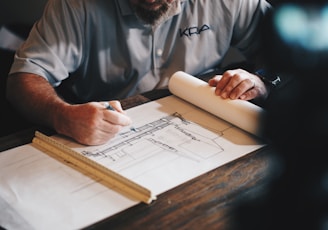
(205, 202)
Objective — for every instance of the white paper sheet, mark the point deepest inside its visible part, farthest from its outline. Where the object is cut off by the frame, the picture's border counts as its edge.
(171, 143)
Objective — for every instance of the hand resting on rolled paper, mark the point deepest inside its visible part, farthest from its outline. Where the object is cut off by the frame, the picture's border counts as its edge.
(241, 113)
(239, 84)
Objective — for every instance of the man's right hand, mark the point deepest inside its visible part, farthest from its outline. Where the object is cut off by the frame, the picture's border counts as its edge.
(91, 123)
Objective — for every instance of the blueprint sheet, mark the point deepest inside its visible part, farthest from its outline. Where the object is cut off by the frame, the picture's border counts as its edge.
(171, 142)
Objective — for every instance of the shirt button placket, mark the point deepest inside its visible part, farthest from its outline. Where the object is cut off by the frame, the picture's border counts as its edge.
(159, 53)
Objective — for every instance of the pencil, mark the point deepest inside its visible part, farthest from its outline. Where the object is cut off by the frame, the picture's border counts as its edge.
(108, 106)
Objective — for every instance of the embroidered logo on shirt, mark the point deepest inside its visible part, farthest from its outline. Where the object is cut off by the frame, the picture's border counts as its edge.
(193, 30)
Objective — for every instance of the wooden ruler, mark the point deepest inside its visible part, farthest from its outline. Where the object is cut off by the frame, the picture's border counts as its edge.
(124, 184)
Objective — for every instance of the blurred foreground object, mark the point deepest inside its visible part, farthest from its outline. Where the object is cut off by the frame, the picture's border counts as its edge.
(296, 196)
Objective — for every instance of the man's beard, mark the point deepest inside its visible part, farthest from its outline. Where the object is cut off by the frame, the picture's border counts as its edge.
(151, 16)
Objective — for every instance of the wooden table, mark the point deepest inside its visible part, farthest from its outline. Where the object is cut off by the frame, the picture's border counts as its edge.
(204, 202)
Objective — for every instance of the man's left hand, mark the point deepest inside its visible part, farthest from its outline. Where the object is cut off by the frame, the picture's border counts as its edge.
(239, 84)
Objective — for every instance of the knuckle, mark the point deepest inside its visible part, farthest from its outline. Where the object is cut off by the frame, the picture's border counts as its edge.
(237, 78)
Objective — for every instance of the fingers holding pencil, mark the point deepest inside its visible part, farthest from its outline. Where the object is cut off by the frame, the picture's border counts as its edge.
(92, 123)
(118, 118)
(113, 106)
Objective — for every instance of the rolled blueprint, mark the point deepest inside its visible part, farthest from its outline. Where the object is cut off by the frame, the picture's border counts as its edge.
(240, 113)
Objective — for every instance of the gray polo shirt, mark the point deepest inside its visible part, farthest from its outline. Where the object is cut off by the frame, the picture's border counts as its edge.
(104, 52)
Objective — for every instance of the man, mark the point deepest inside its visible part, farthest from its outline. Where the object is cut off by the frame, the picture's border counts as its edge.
(103, 50)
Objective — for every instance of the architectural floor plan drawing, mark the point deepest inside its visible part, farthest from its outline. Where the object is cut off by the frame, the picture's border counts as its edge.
(171, 135)
(169, 138)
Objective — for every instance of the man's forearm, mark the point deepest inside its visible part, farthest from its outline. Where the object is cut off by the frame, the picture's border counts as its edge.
(34, 97)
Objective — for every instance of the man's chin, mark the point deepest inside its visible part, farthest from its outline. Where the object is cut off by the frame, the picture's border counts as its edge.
(152, 16)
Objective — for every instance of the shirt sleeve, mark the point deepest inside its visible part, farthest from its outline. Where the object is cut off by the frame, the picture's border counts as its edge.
(54, 46)
(247, 27)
